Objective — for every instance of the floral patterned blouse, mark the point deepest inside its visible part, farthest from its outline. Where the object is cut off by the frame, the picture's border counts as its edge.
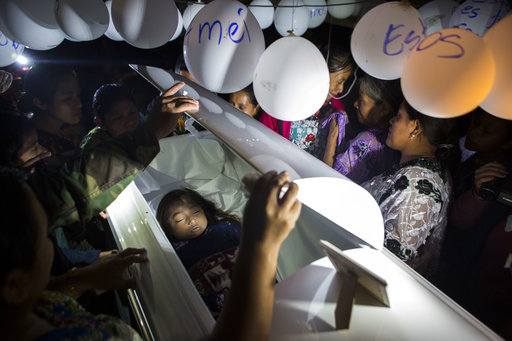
(414, 199)
(366, 156)
(73, 322)
(311, 133)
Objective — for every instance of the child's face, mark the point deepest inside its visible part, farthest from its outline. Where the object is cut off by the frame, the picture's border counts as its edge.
(186, 219)
(122, 117)
(66, 106)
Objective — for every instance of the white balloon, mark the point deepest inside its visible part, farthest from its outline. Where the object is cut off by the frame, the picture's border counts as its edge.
(222, 46)
(291, 81)
(145, 24)
(498, 101)
(82, 20)
(179, 29)
(341, 9)
(479, 16)
(111, 32)
(263, 10)
(31, 23)
(190, 12)
(448, 74)
(10, 50)
(384, 37)
(437, 14)
(291, 15)
(317, 12)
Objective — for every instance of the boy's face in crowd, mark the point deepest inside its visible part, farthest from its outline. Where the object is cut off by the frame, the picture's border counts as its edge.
(66, 105)
(122, 117)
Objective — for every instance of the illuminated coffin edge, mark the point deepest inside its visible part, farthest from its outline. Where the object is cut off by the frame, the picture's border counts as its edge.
(212, 162)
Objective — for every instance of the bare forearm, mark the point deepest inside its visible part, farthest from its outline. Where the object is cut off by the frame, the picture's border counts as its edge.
(247, 312)
(330, 149)
(163, 127)
(73, 283)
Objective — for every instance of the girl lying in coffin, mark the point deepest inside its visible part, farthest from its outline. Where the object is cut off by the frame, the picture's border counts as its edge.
(205, 238)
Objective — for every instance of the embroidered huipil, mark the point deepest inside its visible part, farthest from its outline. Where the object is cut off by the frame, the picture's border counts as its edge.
(414, 199)
(366, 156)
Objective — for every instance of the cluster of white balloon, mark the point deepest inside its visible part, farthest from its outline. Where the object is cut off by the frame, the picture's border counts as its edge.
(224, 48)
(445, 72)
(44, 24)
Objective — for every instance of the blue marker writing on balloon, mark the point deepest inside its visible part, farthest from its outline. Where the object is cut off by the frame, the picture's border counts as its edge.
(210, 29)
(232, 30)
(439, 37)
(234, 27)
(470, 11)
(412, 37)
(316, 12)
(14, 44)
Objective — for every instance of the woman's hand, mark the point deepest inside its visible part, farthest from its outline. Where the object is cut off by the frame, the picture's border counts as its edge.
(486, 173)
(332, 139)
(111, 271)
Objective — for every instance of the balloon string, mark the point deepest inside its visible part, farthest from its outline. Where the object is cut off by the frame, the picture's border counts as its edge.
(293, 14)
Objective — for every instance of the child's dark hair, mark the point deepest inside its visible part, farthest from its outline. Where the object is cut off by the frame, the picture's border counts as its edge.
(42, 82)
(108, 95)
(14, 129)
(442, 133)
(18, 233)
(212, 213)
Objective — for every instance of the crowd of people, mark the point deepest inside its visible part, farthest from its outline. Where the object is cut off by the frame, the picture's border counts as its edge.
(438, 182)
(443, 185)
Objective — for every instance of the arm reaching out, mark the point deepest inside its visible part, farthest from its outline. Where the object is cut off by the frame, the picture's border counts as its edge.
(168, 109)
(268, 219)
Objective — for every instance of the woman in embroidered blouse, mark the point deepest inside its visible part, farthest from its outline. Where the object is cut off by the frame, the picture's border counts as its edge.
(367, 154)
(414, 196)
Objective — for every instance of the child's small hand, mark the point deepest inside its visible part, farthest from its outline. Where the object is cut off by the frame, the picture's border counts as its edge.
(272, 209)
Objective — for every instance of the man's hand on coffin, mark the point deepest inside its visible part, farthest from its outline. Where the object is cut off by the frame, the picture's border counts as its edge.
(168, 109)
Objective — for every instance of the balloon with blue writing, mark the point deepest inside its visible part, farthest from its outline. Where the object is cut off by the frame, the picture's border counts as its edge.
(341, 9)
(111, 32)
(31, 23)
(478, 16)
(317, 12)
(82, 20)
(263, 10)
(291, 15)
(222, 46)
(10, 50)
(145, 24)
(498, 101)
(190, 13)
(448, 73)
(383, 38)
(291, 81)
(437, 14)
